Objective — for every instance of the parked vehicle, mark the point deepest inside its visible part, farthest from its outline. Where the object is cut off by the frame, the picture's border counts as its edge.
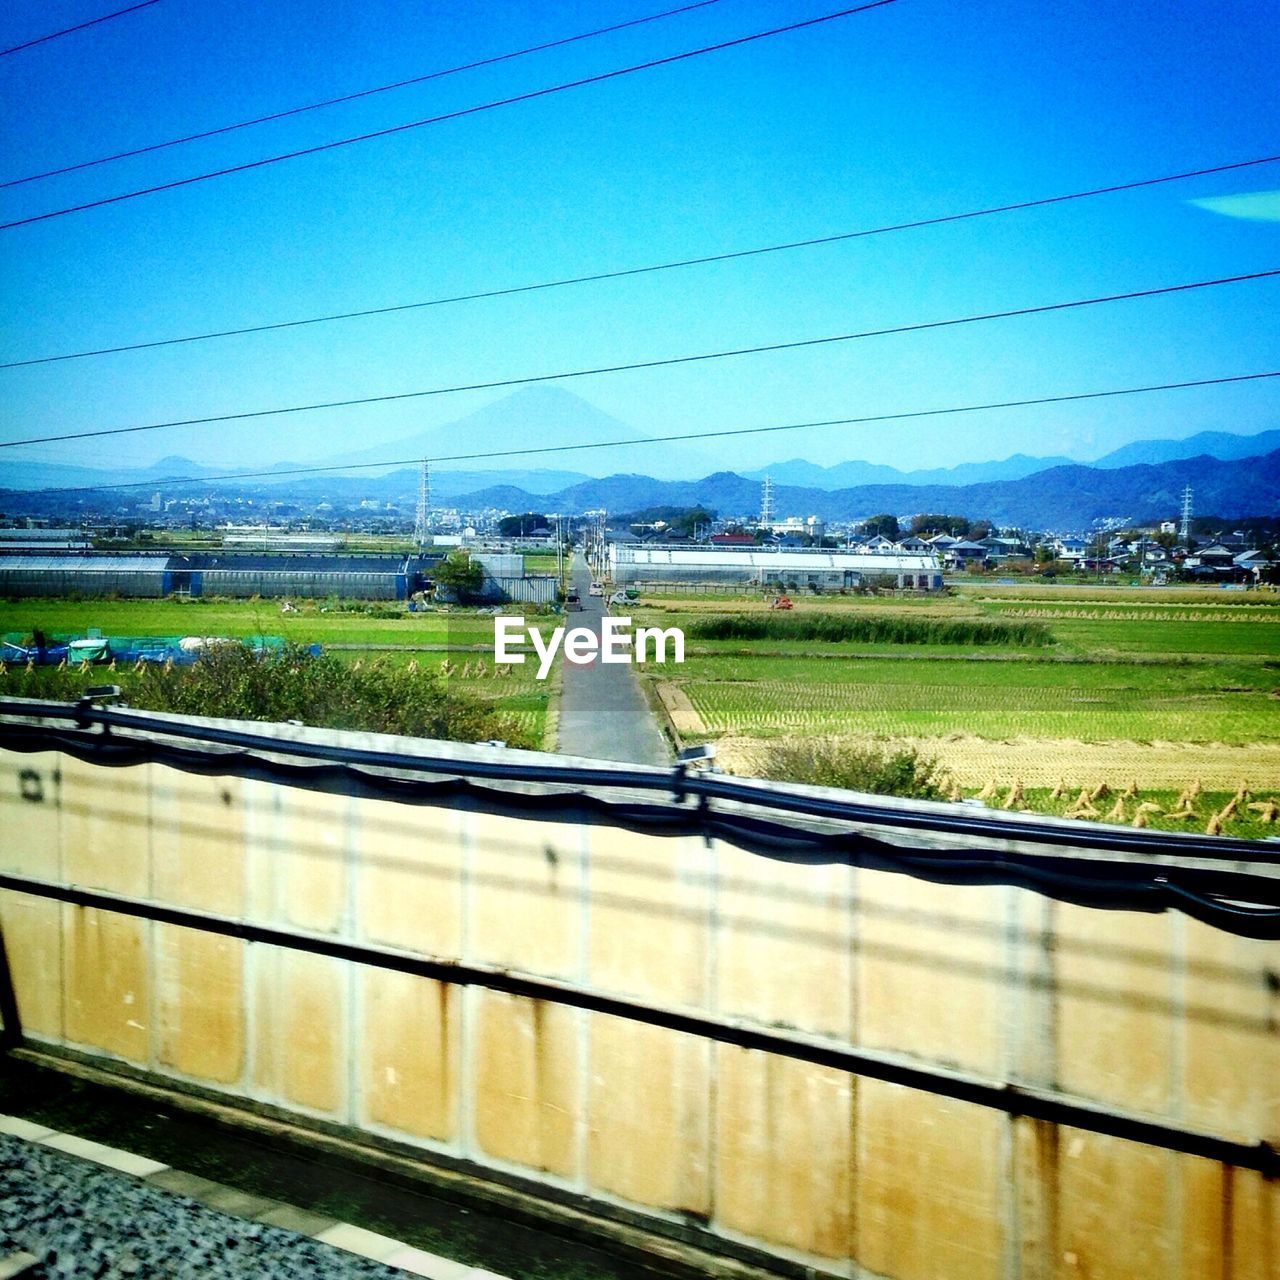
(596, 589)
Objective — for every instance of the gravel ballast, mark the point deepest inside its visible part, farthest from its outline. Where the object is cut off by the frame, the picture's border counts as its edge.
(84, 1221)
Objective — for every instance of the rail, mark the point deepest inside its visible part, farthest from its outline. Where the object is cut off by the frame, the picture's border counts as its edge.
(1233, 885)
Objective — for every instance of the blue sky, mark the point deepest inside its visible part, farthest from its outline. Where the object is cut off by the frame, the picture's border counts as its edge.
(912, 110)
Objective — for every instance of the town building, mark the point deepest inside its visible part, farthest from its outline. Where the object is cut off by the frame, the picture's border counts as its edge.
(793, 568)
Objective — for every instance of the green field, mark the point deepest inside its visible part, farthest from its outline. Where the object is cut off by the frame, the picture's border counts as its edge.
(321, 622)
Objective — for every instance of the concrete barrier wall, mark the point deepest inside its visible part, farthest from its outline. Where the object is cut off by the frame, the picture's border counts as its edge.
(1156, 1014)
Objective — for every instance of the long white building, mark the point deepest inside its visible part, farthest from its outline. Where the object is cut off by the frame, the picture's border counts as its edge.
(793, 567)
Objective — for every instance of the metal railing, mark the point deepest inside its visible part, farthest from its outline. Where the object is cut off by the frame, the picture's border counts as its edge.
(114, 737)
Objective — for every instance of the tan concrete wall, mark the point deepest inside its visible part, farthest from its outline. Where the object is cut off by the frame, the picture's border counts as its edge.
(1150, 1013)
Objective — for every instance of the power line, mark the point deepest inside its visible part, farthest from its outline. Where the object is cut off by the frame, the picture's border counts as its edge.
(93, 22)
(279, 473)
(532, 95)
(363, 93)
(625, 272)
(565, 375)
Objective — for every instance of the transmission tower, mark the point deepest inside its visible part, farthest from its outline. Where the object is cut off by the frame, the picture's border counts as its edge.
(420, 535)
(1184, 530)
(766, 501)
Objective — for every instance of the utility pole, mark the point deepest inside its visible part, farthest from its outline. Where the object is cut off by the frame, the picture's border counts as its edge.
(421, 537)
(766, 502)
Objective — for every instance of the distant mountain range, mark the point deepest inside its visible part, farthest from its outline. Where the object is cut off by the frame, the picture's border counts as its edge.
(1222, 445)
(1063, 497)
(1232, 475)
(446, 486)
(845, 475)
(1215, 444)
(536, 416)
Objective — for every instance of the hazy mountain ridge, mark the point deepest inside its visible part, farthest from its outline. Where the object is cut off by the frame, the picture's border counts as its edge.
(447, 487)
(1231, 474)
(531, 417)
(1223, 445)
(844, 475)
(1066, 497)
(537, 415)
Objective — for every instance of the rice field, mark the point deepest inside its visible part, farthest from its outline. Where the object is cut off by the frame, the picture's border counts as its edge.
(1089, 702)
(1165, 688)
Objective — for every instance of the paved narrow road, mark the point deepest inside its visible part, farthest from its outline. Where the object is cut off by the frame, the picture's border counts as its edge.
(603, 712)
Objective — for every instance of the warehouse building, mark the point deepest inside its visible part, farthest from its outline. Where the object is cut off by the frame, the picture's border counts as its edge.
(635, 564)
(240, 575)
(45, 539)
(151, 576)
(26, 574)
(302, 577)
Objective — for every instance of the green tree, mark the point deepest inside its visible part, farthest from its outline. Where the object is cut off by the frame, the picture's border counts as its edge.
(937, 522)
(885, 525)
(523, 526)
(459, 573)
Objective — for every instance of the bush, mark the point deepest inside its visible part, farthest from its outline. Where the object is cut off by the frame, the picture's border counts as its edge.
(878, 771)
(233, 682)
(868, 629)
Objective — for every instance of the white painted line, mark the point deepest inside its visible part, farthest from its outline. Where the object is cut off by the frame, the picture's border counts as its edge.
(342, 1235)
(419, 1262)
(395, 1253)
(17, 1127)
(368, 1244)
(100, 1153)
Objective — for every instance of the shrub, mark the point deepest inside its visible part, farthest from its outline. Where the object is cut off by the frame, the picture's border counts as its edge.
(291, 684)
(879, 771)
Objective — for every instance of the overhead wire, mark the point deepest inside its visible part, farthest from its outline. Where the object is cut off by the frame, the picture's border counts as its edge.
(80, 26)
(279, 473)
(475, 65)
(460, 113)
(625, 272)
(666, 362)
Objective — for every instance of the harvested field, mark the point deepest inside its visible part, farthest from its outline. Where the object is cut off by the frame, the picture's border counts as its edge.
(1043, 762)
